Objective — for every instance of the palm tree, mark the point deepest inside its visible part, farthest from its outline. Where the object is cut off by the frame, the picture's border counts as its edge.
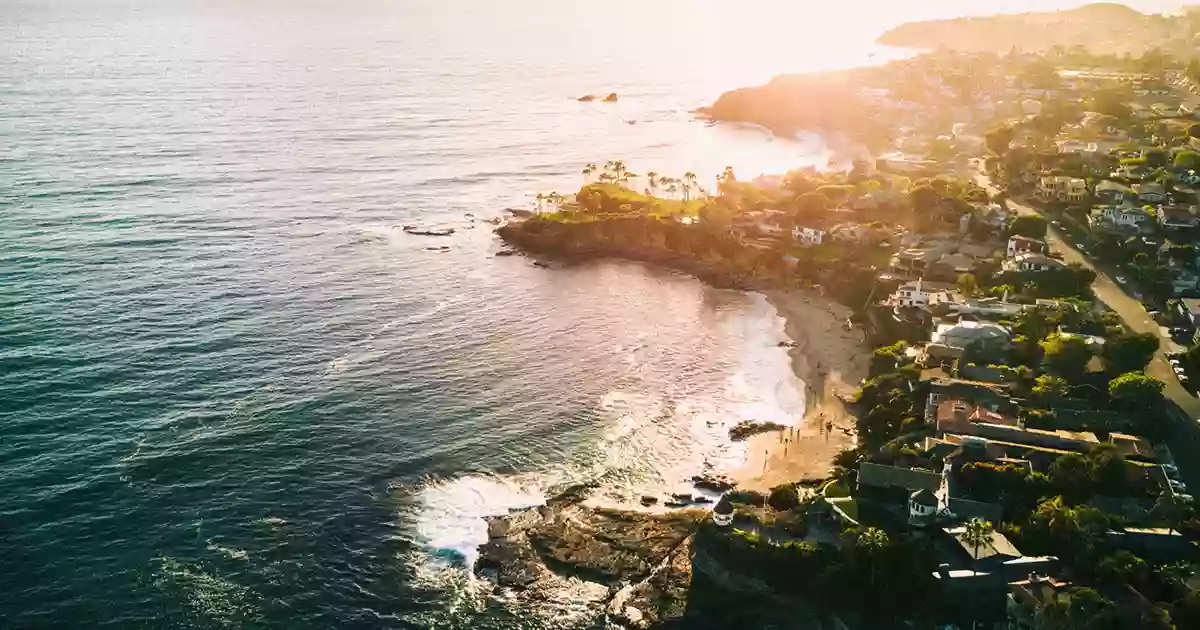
(541, 202)
(627, 177)
(689, 182)
(978, 533)
(618, 168)
(587, 172)
(652, 181)
(872, 543)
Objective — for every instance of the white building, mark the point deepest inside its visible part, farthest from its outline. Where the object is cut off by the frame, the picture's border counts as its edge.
(922, 294)
(1123, 216)
(807, 236)
(1032, 262)
(723, 513)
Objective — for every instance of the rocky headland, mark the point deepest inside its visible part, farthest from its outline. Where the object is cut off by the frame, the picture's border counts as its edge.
(828, 103)
(624, 569)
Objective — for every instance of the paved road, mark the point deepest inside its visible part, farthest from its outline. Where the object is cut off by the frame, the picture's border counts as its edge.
(1130, 310)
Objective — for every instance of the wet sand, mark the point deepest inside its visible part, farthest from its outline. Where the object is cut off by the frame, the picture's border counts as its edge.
(831, 361)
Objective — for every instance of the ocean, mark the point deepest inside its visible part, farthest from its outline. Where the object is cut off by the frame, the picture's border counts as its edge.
(235, 394)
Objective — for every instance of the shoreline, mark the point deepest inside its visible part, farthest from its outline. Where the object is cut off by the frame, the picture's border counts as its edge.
(831, 361)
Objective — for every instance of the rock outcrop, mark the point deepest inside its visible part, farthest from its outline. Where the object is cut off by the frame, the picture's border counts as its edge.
(639, 564)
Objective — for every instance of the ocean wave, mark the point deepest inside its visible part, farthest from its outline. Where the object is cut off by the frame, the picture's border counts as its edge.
(451, 512)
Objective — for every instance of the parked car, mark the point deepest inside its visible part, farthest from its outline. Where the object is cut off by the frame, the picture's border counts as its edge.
(1120, 279)
(1177, 486)
(1171, 469)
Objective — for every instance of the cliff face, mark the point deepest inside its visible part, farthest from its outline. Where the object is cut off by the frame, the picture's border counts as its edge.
(1102, 28)
(717, 259)
(629, 569)
(720, 261)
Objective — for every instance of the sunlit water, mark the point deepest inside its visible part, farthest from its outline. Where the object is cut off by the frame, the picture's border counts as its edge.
(234, 394)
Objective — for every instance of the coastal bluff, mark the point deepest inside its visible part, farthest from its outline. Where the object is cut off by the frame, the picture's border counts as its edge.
(717, 259)
(791, 103)
(637, 564)
(632, 570)
(1104, 28)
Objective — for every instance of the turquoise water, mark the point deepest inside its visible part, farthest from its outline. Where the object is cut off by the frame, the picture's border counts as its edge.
(234, 394)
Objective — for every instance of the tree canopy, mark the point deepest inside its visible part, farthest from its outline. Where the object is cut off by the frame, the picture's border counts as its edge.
(1030, 225)
(1066, 356)
(1135, 390)
(1130, 353)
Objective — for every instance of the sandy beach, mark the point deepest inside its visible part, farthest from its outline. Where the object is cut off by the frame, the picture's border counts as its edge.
(831, 361)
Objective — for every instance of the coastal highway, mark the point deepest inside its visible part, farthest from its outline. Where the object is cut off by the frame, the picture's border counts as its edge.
(1131, 311)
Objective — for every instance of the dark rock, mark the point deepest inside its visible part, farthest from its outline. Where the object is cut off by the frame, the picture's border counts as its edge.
(748, 428)
(713, 482)
(505, 252)
(542, 264)
(788, 344)
(517, 212)
(611, 98)
(416, 231)
(649, 500)
(587, 98)
(702, 500)
(681, 497)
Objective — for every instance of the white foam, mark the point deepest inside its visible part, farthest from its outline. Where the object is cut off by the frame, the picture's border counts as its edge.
(450, 520)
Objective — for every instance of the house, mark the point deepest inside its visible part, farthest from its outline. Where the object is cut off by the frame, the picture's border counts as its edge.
(808, 237)
(1186, 177)
(992, 215)
(989, 395)
(1176, 217)
(922, 294)
(1124, 216)
(1032, 262)
(872, 475)
(987, 307)
(1151, 192)
(1190, 308)
(959, 417)
(1159, 543)
(1028, 597)
(1018, 244)
(955, 264)
(1184, 282)
(1059, 188)
(962, 334)
(1112, 193)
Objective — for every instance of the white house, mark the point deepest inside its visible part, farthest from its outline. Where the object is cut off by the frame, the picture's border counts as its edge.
(807, 236)
(1059, 188)
(1032, 262)
(922, 294)
(1122, 216)
(1023, 244)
